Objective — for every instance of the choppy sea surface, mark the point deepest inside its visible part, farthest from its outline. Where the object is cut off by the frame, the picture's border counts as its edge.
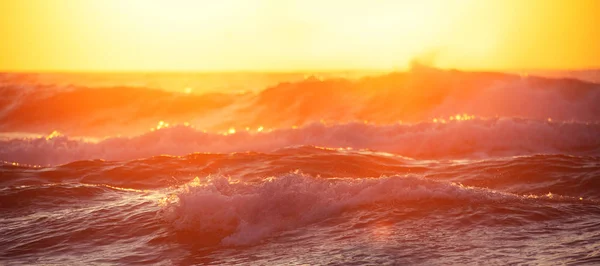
(429, 166)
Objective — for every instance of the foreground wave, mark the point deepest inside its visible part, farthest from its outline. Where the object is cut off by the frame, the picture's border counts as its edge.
(249, 207)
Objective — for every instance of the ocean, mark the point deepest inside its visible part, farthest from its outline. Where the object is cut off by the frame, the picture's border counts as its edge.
(421, 167)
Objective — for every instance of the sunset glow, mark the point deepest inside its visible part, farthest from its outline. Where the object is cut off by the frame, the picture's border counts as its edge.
(299, 132)
(229, 35)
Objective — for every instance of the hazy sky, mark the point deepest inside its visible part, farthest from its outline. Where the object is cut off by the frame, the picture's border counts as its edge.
(280, 35)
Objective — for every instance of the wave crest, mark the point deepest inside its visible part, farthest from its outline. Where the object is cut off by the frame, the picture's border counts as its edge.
(240, 213)
(410, 97)
(474, 138)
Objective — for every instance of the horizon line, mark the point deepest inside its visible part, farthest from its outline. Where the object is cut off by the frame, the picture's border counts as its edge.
(283, 71)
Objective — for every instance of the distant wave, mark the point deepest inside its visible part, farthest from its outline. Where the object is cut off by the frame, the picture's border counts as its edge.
(98, 112)
(409, 97)
(476, 138)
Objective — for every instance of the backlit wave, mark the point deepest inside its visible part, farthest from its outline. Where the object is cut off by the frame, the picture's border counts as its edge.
(475, 138)
(220, 210)
(416, 96)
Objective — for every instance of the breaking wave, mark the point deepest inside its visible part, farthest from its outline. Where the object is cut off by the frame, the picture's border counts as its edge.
(475, 138)
(239, 213)
(411, 97)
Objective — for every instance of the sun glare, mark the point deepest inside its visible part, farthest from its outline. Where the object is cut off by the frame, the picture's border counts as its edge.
(114, 35)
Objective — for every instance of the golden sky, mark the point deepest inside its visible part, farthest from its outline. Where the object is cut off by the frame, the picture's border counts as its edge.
(282, 35)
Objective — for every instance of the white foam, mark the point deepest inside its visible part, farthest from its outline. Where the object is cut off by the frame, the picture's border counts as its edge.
(246, 213)
(472, 138)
